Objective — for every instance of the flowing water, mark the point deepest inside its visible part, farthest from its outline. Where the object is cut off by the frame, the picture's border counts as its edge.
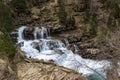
(119, 68)
(76, 48)
(47, 49)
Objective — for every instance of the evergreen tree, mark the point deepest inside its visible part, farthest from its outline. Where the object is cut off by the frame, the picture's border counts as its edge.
(94, 25)
(62, 15)
(6, 25)
(20, 6)
(71, 22)
(111, 23)
(6, 45)
(6, 20)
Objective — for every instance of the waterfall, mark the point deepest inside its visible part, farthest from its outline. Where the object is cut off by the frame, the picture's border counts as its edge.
(76, 48)
(51, 45)
(49, 32)
(44, 33)
(20, 33)
(66, 42)
(119, 69)
(48, 49)
(41, 32)
(35, 32)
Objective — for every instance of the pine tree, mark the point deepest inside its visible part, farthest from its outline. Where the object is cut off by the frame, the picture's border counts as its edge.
(6, 19)
(62, 15)
(20, 6)
(94, 25)
(71, 22)
(6, 25)
(6, 45)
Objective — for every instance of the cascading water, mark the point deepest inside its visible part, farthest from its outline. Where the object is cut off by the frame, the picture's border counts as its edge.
(119, 68)
(20, 33)
(41, 33)
(47, 49)
(76, 48)
(66, 42)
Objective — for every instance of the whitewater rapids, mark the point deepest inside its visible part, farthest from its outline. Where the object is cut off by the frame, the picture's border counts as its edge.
(57, 51)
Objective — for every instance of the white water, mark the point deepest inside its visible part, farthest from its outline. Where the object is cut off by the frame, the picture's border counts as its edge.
(20, 33)
(67, 42)
(119, 69)
(76, 48)
(56, 51)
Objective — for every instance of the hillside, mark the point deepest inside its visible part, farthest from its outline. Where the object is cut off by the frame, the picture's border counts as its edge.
(88, 28)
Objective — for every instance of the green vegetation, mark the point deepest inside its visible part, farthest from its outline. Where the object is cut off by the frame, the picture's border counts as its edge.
(86, 16)
(70, 22)
(113, 8)
(92, 20)
(62, 15)
(6, 25)
(20, 6)
(6, 46)
(111, 23)
(94, 25)
(6, 20)
(37, 2)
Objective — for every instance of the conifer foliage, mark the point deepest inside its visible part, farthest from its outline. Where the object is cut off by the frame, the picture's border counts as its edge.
(6, 25)
(62, 14)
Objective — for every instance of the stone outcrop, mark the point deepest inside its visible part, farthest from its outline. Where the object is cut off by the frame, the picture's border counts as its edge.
(6, 72)
(45, 71)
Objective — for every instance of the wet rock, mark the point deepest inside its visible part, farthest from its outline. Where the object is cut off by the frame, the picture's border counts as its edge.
(71, 47)
(89, 53)
(20, 44)
(28, 33)
(74, 39)
(36, 45)
(59, 51)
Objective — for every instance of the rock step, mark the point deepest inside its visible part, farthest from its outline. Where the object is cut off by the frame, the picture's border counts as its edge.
(41, 71)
